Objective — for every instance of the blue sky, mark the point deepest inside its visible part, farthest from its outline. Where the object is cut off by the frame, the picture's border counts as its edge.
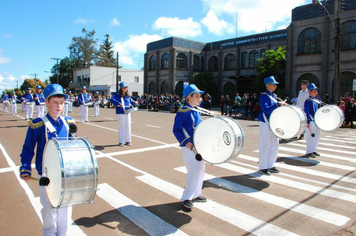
(32, 32)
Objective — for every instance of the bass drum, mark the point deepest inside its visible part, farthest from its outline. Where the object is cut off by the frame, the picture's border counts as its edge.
(287, 122)
(218, 139)
(72, 170)
(329, 117)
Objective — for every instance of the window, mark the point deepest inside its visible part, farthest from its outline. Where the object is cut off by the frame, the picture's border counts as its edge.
(151, 88)
(253, 58)
(165, 61)
(136, 79)
(152, 63)
(262, 53)
(182, 62)
(348, 30)
(196, 61)
(309, 41)
(230, 62)
(164, 87)
(244, 60)
(202, 63)
(213, 64)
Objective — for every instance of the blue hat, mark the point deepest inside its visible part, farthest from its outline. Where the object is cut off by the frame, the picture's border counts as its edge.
(312, 86)
(64, 90)
(96, 92)
(29, 88)
(51, 90)
(84, 87)
(38, 86)
(69, 91)
(270, 80)
(123, 84)
(190, 90)
(13, 92)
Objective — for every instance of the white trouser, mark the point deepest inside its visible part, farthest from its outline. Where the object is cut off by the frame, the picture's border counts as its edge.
(55, 220)
(84, 113)
(29, 111)
(96, 109)
(40, 110)
(312, 142)
(124, 128)
(23, 104)
(268, 147)
(13, 108)
(65, 109)
(195, 175)
(70, 106)
(4, 106)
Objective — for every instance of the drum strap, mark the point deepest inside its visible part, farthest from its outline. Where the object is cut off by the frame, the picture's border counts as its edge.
(50, 126)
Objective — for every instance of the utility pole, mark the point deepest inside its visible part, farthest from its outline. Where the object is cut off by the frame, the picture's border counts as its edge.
(35, 74)
(117, 72)
(337, 51)
(54, 58)
(17, 82)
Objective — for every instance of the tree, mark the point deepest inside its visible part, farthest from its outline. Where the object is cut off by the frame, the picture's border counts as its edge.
(105, 56)
(205, 81)
(65, 70)
(32, 83)
(273, 63)
(82, 50)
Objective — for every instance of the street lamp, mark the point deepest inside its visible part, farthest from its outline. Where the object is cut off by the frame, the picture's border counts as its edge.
(336, 28)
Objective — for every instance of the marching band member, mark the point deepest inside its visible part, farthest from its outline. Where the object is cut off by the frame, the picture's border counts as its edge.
(5, 100)
(312, 132)
(13, 103)
(96, 103)
(55, 220)
(29, 99)
(39, 102)
(66, 104)
(123, 101)
(268, 144)
(23, 101)
(84, 98)
(185, 122)
(71, 99)
(302, 96)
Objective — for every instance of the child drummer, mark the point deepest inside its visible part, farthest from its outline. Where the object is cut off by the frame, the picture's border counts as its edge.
(312, 132)
(55, 221)
(185, 123)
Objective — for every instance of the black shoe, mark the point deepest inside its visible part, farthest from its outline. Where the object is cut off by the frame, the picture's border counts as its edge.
(301, 137)
(316, 154)
(265, 172)
(121, 145)
(188, 204)
(273, 170)
(310, 155)
(199, 199)
(128, 144)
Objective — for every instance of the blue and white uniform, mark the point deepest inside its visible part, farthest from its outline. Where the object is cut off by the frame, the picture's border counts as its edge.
(5, 101)
(29, 100)
(84, 98)
(40, 104)
(13, 103)
(310, 108)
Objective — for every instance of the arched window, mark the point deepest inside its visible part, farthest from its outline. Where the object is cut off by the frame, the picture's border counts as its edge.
(229, 89)
(348, 29)
(309, 41)
(230, 62)
(311, 79)
(262, 53)
(182, 62)
(151, 88)
(346, 82)
(244, 60)
(213, 64)
(165, 61)
(164, 87)
(196, 63)
(202, 63)
(152, 63)
(253, 58)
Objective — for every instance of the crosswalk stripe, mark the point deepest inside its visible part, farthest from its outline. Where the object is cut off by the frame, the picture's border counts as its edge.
(329, 145)
(338, 140)
(304, 209)
(325, 149)
(144, 219)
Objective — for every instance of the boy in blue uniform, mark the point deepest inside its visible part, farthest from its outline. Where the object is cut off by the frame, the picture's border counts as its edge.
(5, 100)
(39, 102)
(55, 221)
(185, 123)
(84, 98)
(29, 99)
(268, 144)
(310, 108)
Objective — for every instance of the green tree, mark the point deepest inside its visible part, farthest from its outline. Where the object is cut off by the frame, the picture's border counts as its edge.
(32, 83)
(82, 50)
(205, 81)
(105, 56)
(273, 63)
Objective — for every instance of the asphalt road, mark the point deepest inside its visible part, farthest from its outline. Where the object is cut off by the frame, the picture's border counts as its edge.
(140, 186)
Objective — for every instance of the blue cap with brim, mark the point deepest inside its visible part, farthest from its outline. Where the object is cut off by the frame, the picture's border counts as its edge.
(38, 86)
(84, 87)
(190, 90)
(123, 84)
(312, 86)
(52, 90)
(270, 80)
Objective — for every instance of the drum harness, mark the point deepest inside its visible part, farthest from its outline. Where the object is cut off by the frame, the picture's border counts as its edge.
(50, 127)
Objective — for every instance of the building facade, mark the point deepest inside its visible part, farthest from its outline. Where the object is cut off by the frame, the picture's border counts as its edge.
(310, 52)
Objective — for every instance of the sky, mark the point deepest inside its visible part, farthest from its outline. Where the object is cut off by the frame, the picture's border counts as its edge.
(33, 32)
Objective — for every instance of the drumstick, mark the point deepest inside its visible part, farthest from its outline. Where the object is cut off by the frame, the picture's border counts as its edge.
(312, 134)
(198, 157)
(33, 178)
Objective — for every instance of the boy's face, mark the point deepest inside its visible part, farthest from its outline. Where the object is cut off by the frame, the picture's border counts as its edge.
(195, 99)
(55, 106)
(313, 93)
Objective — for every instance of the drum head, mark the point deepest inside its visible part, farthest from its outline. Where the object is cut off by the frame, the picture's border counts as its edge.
(51, 168)
(329, 117)
(216, 139)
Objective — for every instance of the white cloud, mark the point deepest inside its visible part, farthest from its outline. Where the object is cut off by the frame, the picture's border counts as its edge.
(254, 16)
(131, 50)
(114, 22)
(216, 25)
(177, 27)
(10, 82)
(81, 21)
(4, 60)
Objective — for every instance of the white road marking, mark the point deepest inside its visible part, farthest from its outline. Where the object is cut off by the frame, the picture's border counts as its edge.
(153, 126)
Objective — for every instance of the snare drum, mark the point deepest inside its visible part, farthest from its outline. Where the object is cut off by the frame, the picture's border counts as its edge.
(88, 104)
(329, 117)
(72, 170)
(287, 122)
(29, 103)
(218, 139)
(130, 110)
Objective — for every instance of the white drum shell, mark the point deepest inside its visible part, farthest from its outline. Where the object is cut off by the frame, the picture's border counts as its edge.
(287, 122)
(329, 117)
(73, 172)
(218, 139)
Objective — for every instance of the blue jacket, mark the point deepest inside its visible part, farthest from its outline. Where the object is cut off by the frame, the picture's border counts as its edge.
(116, 100)
(40, 98)
(310, 108)
(29, 97)
(187, 119)
(37, 134)
(267, 105)
(83, 98)
(5, 97)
